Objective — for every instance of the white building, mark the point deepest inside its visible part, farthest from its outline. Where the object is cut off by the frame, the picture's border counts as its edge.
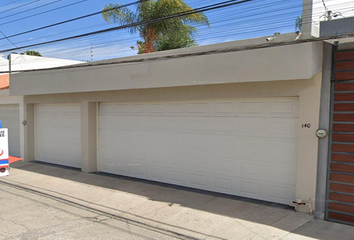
(327, 10)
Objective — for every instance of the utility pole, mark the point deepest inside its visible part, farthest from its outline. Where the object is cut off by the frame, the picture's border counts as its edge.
(9, 58)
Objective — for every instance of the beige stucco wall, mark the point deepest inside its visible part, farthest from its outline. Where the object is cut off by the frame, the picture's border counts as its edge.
(308, 92)
(298, 61)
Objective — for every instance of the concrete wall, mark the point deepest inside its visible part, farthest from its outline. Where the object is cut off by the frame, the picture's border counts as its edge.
(324, 124)
(299, 61)
(338, 27)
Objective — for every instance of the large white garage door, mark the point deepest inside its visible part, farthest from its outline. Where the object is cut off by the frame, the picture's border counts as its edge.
(244, 147)
(10, 117)
(58, 134)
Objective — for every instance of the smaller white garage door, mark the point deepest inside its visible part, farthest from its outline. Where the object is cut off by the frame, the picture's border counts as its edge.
(10, 117)
(58, 134)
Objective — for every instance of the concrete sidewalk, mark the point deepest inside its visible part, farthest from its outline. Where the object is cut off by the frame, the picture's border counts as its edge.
(48, 202)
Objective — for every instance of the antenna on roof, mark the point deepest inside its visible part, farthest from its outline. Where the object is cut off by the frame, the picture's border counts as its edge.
(91, 52)
(9, 57)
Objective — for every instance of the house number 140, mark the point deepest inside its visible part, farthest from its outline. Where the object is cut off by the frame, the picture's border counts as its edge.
(306, 125)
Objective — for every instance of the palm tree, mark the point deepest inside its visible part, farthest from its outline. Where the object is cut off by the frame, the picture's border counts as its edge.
(150, 10)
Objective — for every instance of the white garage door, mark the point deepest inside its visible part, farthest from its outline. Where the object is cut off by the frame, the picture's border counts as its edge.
(58, 134)
(244, 147)
(10, 117)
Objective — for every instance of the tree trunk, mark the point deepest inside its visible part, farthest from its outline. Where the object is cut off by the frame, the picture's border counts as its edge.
(149, 41)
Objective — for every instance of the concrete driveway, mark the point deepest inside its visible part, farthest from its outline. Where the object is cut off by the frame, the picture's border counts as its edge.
(41, 201)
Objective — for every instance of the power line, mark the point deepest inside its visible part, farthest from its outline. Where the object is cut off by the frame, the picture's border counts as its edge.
(35, 8)
(89, 15)
(23, 5)
(70, 20)
(213, 34)
(225, 33)
(218, 30)
(198, 10)
(9, 3)
(324, 5)
(230, 34)
(239, 30)
(8, 39)
(233, 23)
(73, 19)
(41, 13)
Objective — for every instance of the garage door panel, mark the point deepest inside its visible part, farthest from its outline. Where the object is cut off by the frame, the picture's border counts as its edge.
(10, 117)
(243, 147)
(225, 107)
(275, 173)
(176, 177)
(251, 149)
(198, 144)
(224, 166)
(250, 188)
(157, 158)
(120, 153)
(124, 169)
(283, 129)
(177, 161)
(284, 106)
(106, 165)
(238, 107)
(226, 146)
(106, 136)
(248, 127)
(250, 170)
(175, 141)
(139, 171)
(280, 150)
(58, 134)
(223, 185)
(198, 163)
(197, 180)
(158, 174)
(279, 193)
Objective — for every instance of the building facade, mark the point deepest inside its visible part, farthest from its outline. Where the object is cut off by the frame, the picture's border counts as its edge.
(213, 118)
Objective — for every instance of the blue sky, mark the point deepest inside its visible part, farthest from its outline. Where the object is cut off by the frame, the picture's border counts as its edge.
(254, 19)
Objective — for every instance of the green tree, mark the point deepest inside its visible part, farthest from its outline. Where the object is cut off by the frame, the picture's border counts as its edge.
(176, 39)
(32, 53)
(171, 40)
(157, 34)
